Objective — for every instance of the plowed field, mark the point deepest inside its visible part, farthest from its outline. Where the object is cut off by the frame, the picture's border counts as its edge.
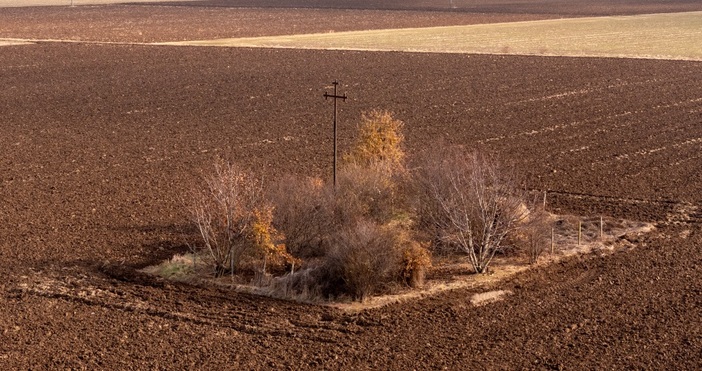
(100, 143)
(131, 23)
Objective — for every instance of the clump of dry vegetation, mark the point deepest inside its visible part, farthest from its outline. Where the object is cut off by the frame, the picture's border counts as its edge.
(533, 234)
(223, 213)
(304, 212)
(372, 233)
(234, 219)
(367, 258)
(354, 238)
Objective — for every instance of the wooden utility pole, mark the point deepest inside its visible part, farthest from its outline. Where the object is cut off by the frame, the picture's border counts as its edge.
(335, 96)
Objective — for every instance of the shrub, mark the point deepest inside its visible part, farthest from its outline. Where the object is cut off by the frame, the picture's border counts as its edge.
(309, 284)
(468, 201)
(367, 258)
(364, 260)
(379, 141)
(533, 234)
(365, 192)
(370, 178)
(308, 211)
(304, 212)
(234, 220)
(223, 214)
(416, 260)
(266, 240)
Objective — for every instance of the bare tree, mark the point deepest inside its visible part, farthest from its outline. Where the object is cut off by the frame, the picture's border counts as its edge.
(468, 201)
(224, 213)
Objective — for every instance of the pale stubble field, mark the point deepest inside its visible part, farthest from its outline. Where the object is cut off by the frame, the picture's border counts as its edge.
(651, 36)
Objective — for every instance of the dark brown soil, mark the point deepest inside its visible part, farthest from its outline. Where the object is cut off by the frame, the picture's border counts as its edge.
(100, 144)
(554, 7)
(212, 19)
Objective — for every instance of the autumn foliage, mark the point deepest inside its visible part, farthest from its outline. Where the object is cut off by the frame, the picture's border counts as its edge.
(379, 141)
(234, 220)
(374, 231)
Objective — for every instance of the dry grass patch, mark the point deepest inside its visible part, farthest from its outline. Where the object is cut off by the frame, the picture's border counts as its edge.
(178, 268)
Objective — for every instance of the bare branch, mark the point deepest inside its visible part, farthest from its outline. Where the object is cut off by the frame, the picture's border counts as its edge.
(470, 202)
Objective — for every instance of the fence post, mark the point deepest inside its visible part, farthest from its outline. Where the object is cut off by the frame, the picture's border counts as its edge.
(553, 239)
(545, 200)
(580, 231)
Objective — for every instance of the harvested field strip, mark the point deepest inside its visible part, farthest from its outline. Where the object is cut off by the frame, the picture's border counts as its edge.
(23, 3)
(656, 36)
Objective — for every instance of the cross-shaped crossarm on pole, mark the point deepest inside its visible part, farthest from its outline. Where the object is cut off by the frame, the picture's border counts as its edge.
(335, 97)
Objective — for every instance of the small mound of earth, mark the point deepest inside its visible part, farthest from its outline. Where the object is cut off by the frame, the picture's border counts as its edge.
(488, 297)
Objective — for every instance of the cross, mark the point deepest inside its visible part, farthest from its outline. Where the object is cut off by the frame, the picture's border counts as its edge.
(335, 96)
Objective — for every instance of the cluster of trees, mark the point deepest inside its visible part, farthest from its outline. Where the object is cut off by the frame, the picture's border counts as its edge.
(374, 231)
